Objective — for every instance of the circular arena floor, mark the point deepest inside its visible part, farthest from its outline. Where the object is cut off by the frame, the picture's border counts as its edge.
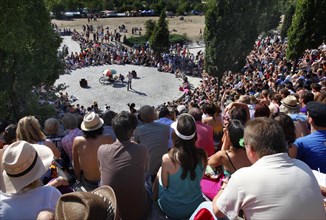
(149, 88)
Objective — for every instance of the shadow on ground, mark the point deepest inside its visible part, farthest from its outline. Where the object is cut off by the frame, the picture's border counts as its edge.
(137, 92)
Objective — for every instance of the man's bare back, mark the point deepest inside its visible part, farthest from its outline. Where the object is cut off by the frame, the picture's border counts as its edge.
(85, 156)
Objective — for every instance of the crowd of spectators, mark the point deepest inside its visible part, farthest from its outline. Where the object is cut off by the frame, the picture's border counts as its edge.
(100, 46)
(270, 111)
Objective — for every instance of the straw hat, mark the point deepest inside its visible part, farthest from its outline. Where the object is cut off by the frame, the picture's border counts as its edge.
(98, 204)
(290, 102)
(23, 163)
(91, 122)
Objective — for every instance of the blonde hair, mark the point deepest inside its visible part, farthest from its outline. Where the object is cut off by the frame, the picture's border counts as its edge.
(29, 129)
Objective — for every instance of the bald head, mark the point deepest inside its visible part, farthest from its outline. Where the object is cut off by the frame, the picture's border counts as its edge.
(147, 114)
(196, 113)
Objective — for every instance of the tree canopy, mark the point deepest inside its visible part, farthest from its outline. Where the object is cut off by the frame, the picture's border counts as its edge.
(28, 54)
(176, 6)
(159, 40)
(150, 27)
(231, 30)
(308, 29)
(288, 11)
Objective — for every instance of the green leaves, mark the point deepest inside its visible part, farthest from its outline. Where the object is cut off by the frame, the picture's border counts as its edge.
(308, 29)
(28, 51)
(150, 27)
(231, 29)
(159, 40)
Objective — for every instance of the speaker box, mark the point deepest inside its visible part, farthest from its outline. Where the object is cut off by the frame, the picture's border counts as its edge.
(83, 83)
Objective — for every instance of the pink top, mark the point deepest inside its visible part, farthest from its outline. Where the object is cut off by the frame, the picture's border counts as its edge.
(205, 138)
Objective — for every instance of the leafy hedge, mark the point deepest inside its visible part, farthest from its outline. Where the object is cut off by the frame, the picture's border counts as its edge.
(131, 41)
(141, 40)
(177, 38)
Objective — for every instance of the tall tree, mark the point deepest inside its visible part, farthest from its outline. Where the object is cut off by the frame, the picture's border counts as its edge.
(288, 12)
(28, 54)
(308, 29)
(150, 27)
(159, 6)
(159, 41)
(231, 29)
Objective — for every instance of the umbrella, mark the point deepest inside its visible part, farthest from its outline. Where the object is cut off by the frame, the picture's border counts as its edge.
(109, 72)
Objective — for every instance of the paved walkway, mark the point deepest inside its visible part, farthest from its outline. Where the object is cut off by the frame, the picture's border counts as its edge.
(73, 46)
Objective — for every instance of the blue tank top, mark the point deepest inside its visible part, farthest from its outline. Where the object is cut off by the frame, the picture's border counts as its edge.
(181, 198)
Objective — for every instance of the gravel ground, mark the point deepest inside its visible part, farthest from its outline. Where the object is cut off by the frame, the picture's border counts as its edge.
(150, 88)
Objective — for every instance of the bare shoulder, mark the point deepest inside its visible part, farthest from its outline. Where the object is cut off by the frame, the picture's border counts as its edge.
(79, 140)
(166, 159)
(169, 165)
(206, 120)
(218, 157)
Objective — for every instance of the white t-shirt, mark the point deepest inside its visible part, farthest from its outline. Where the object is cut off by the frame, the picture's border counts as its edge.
(275, 187)
(129, 76)
(29, 204)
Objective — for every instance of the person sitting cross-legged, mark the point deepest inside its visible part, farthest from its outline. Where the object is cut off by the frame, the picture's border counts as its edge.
(84, 151)
(166, 116)
(123, 165)
(204, 133)
(178, 181)
(232, 159)
(154, 136)
(70, 124)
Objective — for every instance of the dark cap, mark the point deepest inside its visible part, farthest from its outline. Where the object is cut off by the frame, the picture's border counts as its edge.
(317, 110)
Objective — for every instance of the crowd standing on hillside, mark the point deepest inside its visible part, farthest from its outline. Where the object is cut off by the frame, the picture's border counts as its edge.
(181, 153)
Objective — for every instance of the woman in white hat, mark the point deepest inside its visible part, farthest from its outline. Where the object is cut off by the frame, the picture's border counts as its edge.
(182, 169)
(22, 194)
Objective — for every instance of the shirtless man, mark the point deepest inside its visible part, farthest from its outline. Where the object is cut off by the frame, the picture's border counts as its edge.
(84, 151)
